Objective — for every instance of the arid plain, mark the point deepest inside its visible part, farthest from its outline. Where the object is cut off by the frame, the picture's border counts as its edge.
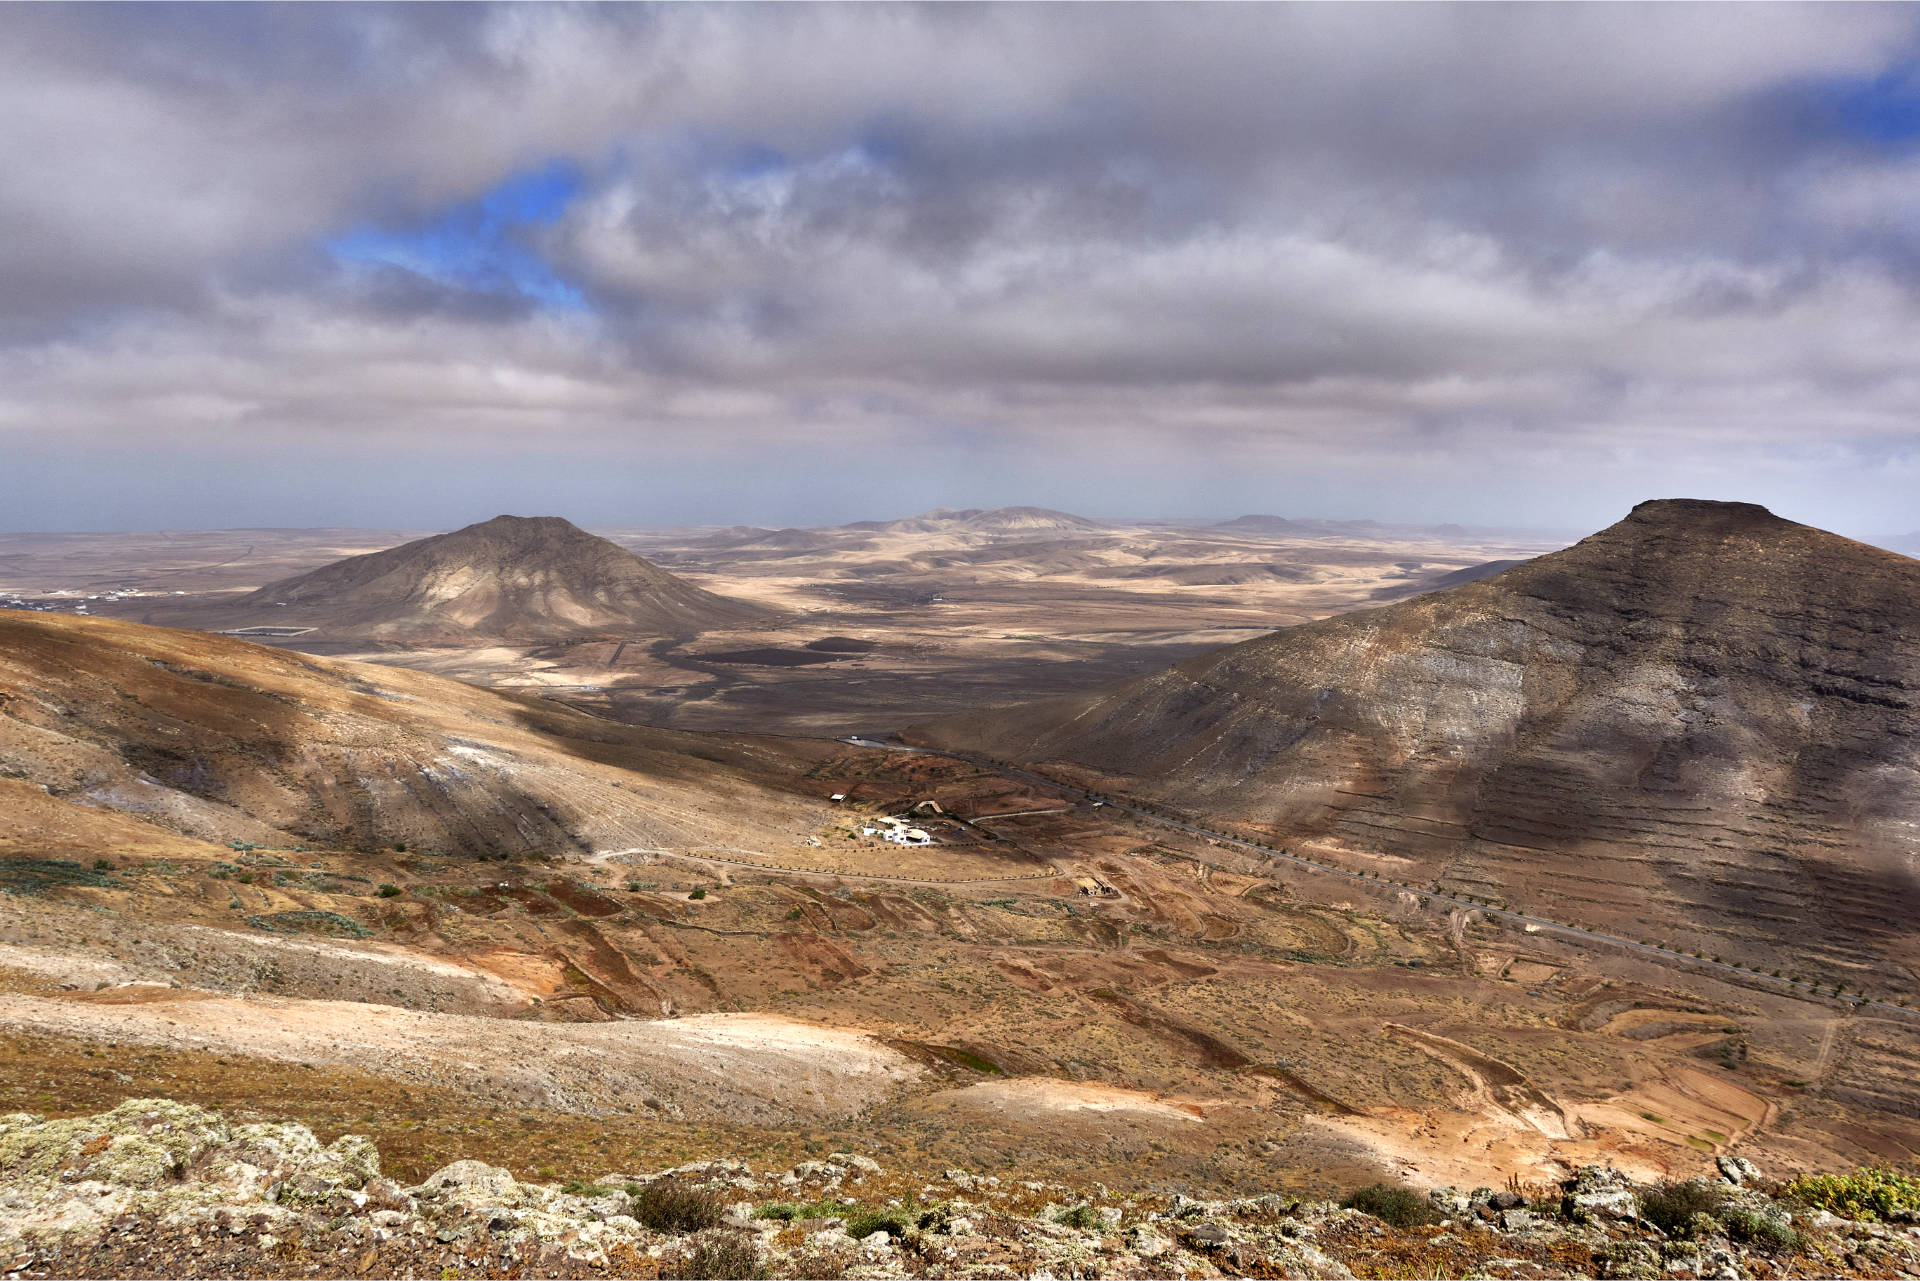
(865, 627)
(605, 910)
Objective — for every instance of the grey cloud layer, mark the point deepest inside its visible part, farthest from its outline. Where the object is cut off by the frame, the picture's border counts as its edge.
(1617, 230)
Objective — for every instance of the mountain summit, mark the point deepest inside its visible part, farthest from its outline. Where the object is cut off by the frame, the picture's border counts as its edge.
(1697, 723)
(514, 578)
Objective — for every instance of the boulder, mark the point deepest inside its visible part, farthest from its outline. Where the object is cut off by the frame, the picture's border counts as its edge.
(1600, 1194)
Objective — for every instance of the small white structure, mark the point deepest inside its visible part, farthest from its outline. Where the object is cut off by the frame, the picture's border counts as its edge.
(838, 796)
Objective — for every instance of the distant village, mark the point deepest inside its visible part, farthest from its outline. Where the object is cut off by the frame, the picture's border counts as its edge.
(70, 600)
(899, 831)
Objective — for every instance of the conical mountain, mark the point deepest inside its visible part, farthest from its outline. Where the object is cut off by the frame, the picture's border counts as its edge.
(512, 578)
(1697, 726)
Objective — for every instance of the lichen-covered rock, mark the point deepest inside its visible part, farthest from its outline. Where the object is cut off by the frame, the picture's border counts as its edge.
(1630, 1261)
(1598, 1195)
(473, 1183)
(137, 1144)
(161, 1189)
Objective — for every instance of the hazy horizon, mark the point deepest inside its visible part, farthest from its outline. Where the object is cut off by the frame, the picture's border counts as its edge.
(1905, 541)
(410, 267)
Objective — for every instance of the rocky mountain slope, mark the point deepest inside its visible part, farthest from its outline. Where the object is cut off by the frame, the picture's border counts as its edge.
(512, 578)
(110, 730)
(1695, 726)
(162, 1189)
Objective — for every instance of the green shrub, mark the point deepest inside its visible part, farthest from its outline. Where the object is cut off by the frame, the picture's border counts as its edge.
(1671, 1206)
(1082, 1217)
(28, 876)
(699, 893)
(788, 1211)
(721, 1256)
(390, 891)
(331, 924)
(580, 1187)
(893, 1220)
(676, 1206)
(103, 865)
(1757, 1227)
(1390, 1203)
(1867, 1195)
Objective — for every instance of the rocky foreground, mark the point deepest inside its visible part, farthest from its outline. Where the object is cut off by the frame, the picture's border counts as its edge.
(165, 1189)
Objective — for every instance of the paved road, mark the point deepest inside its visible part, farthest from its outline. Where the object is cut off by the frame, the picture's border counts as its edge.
(1434, 896)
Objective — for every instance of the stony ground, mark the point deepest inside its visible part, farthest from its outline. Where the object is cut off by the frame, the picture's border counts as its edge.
(166, 1189)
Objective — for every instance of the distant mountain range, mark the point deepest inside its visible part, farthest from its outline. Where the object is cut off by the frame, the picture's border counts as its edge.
(1287, 527)
(994, 521)
(1041, 522)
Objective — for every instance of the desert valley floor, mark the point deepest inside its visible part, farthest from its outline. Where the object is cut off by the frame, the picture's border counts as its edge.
(671, 940)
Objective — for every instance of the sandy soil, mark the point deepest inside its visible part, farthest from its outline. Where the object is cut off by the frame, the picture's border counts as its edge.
(741, 1066)
(1039, 1098)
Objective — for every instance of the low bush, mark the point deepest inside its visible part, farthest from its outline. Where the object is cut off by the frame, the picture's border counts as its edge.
(788, 1211)
(1867, 1195)
(1671, 1206)
(331, 924)
(29, 876)
(580, 1187)
(676, 1206)
(1082, 1217)
(720, 1256)
(389, 891)
(1757, 1227)
(895, 1221)
(1390, 1203)
(699, 893)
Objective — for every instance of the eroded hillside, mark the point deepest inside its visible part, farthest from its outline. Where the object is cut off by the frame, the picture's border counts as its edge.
(1695, 727)
(219, 740)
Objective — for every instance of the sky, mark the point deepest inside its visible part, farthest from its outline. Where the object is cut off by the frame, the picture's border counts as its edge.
(1496, 264)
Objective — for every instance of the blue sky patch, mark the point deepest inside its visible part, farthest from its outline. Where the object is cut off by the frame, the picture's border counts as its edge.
(478, 245)
(1884, 110)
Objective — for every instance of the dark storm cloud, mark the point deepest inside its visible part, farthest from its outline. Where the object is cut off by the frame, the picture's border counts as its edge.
(1609, 238)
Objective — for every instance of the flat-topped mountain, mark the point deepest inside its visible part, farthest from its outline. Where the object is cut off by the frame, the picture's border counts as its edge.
(512, 578)
(1698, 725)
